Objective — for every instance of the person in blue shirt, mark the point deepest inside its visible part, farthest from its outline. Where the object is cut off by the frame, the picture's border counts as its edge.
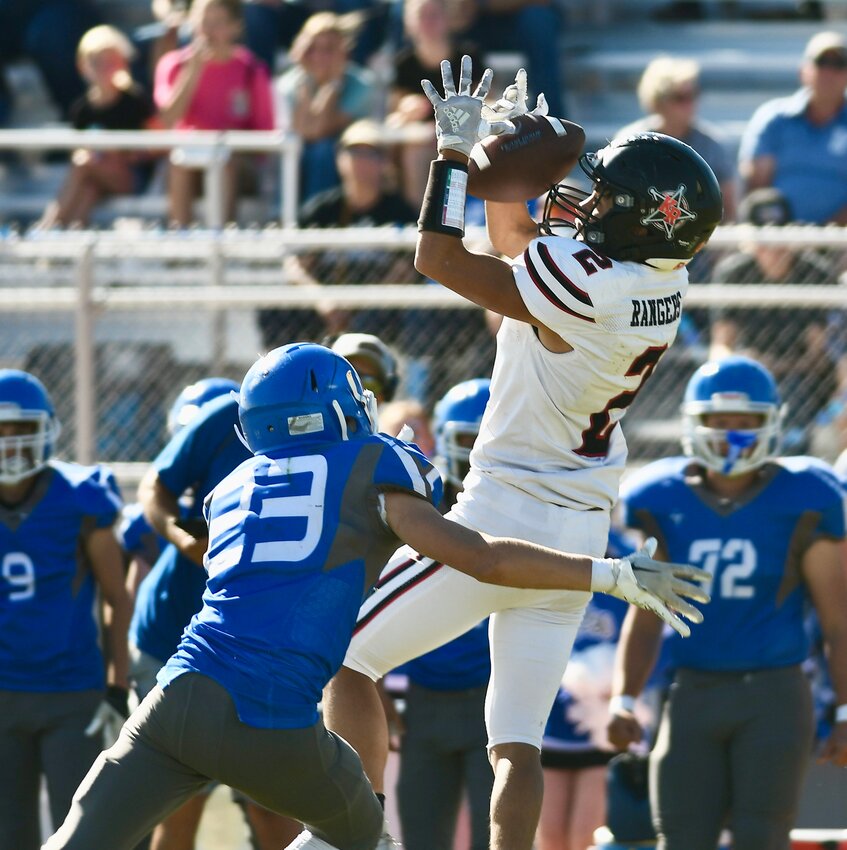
(141, 545)
(443, 753)
(297, 534)
(202, 450)
(58, 554)
(737, 730)
(798, 144)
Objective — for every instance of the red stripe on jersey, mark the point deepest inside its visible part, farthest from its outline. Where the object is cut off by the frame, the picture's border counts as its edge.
(562, 278)
(414, 581)
(548, 293)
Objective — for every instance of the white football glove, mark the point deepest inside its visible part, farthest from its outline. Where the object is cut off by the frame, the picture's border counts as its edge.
(110, 716)
(514, 102)
(657, 586)
(459, 124)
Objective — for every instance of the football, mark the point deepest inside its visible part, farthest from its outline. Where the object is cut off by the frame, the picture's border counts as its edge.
(522, 165)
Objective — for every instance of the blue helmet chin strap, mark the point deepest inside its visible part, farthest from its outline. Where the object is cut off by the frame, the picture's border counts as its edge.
(737, 442)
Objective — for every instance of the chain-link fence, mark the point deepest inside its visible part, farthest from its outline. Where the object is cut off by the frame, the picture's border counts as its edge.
(116, 323)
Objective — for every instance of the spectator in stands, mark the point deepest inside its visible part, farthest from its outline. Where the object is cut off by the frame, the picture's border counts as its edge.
(798, 144)
(169, 30)
(363, 199)
(213, 84)
(322, 94)
(428, 41)
(271, 24)
(374, 362)
(113, 102)
(530, 27)
(669, 93)
(47, 32)
(792, 342)
(829, 432)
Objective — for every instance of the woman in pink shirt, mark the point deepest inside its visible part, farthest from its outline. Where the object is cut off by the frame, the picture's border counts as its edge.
(212, 84)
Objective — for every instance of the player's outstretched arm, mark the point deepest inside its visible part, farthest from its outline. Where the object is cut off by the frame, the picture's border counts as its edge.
(441, 254)
(516, 563)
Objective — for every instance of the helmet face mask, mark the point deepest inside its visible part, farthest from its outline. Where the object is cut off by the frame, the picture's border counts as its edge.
(726, 390)
(303, 393)
(665, 201)
(456, 422)
(25, 403)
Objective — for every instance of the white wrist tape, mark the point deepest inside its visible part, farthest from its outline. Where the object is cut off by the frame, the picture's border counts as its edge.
(621, 703)
(841, 713)
(604, 576)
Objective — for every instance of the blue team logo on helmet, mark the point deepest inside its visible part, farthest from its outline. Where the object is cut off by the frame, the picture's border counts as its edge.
(732, 385)
(25, 402)
(456, 424)
(303, 392)
(193, 397)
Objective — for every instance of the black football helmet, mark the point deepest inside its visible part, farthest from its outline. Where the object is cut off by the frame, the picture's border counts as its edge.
(665, 199)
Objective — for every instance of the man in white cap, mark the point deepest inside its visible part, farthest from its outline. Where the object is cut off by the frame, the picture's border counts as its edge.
(798, 144)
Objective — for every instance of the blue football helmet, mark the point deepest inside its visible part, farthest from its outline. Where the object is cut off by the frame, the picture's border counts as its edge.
(190, 400)
(303, 392)
(732, 385)
(456, 421)
(23, 399)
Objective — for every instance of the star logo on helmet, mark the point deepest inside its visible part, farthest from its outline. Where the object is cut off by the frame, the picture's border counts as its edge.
(671, 212)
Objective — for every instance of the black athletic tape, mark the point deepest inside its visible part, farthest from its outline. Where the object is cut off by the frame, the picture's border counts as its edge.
(443, 207)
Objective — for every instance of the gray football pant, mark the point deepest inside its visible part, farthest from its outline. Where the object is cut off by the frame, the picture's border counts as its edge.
(42, 734)
(443, 754)
(189, 733)
(731, 752)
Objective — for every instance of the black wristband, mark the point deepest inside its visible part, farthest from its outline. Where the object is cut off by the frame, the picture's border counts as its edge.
(118, 698)
(443, 207)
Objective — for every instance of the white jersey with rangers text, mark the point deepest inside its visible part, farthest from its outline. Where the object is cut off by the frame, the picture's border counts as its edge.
(550, 430)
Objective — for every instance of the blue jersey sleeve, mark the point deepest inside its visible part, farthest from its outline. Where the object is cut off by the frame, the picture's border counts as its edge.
(402, 466)
(822, 492)
(95, 492)
(185, 460)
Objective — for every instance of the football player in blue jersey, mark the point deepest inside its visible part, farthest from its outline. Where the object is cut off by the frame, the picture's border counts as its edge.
(443, 755)
(57, 550)
(737, 730)
(141, 545)
(202, 450)
(297, 534)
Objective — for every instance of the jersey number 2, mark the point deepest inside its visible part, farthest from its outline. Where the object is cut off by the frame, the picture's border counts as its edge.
(595, 438)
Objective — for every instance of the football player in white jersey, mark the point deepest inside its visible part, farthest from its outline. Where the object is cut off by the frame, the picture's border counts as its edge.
(588, 313)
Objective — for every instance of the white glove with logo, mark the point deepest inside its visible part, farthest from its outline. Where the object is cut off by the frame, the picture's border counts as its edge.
(513, 102)
(458, 115)
(109, 718)
(654, 585)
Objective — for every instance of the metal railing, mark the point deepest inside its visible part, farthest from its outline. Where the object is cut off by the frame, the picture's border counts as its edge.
(216, 147)
(195, 283)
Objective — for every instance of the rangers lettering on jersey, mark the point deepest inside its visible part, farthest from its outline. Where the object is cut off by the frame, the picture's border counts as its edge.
(649, 312)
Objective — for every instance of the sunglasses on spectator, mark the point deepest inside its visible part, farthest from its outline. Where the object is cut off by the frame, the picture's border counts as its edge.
(686, 96)
(836, 62)
(365, 151)
(372, 383)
